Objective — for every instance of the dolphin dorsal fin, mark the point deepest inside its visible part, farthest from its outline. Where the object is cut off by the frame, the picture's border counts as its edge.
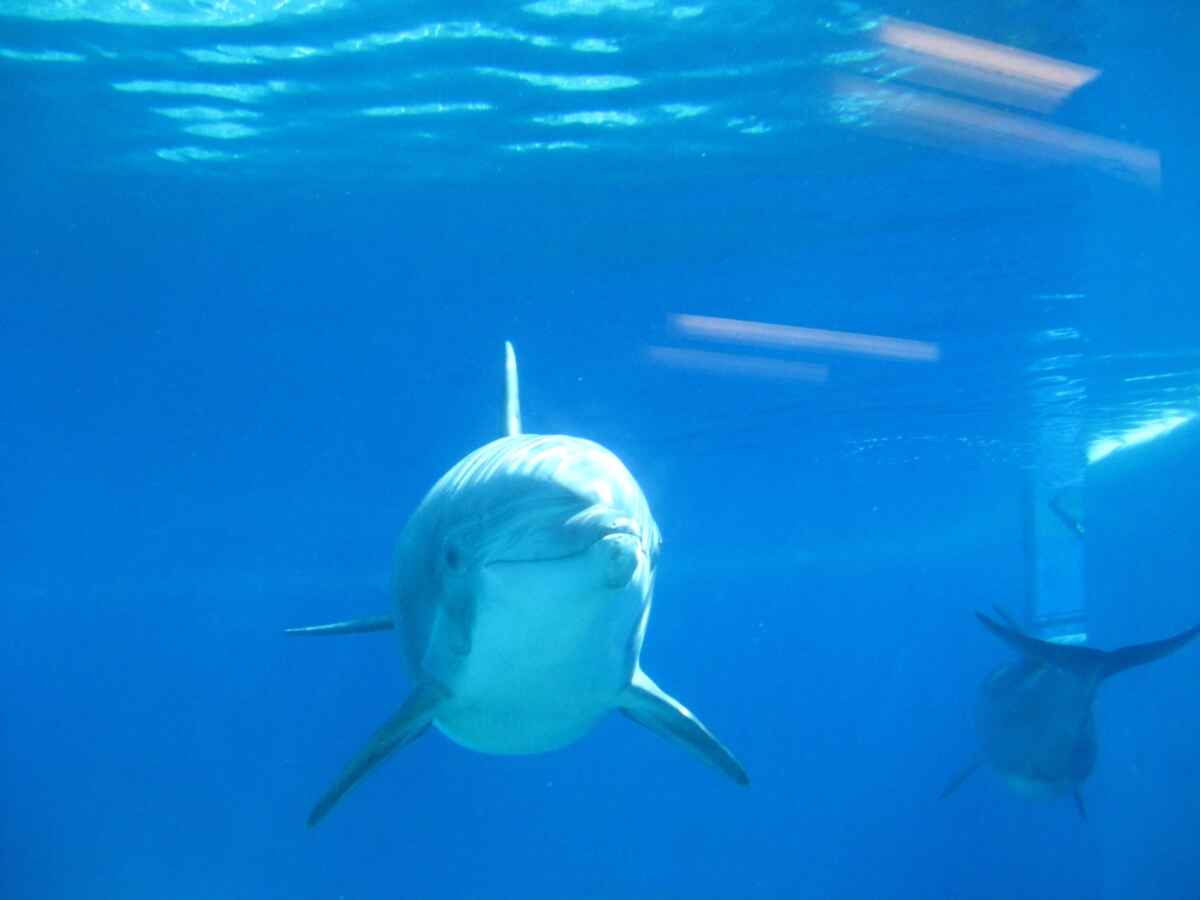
(512, 392)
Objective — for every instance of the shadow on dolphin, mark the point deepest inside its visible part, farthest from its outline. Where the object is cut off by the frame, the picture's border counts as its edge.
(523, 584)
(1034, 717)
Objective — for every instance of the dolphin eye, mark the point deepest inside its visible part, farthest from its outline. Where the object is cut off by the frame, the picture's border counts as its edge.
(451, 555)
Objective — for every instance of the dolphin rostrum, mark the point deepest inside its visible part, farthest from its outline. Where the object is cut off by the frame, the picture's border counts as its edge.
(1034, 716)
(523, 584)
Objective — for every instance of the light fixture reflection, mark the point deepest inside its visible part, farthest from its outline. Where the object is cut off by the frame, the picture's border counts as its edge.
(738, 364)
(992, 133)
(970, 67)
(795, 336)
(995, 72)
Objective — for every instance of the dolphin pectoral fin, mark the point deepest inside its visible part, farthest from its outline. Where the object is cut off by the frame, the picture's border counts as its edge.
(353, 626)
(647, 704)
(957, 781)
(405, 726)
(1079, 807)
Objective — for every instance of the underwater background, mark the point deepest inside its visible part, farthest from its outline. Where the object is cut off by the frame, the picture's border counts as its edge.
(257, 265)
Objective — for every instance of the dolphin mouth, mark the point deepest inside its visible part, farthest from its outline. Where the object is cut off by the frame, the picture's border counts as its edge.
(618, 528)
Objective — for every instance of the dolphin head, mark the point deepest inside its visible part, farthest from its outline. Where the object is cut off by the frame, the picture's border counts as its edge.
(551, 522)
(542, 499)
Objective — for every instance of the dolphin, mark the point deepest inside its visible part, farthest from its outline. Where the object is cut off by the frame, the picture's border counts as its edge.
(1034, 716)
(523, 584)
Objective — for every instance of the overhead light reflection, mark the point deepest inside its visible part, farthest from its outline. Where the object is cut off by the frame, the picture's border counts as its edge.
(738, 364)
(795, 336)
(960, 125)
(954, 63)
(969, 65)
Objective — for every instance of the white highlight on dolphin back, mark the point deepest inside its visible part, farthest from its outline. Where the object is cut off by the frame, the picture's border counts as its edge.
(531, 467)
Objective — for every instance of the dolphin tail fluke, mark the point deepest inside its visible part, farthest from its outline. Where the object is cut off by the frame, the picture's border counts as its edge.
(649, 705)
(1139, 654)
(353, 626)
(957, 781)
(1007, 617)
(1079, 805)
(405, 726)
(1088, 661)
(512, 392)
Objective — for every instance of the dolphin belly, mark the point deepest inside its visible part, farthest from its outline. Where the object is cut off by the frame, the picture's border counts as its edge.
(553, 646)
(1035, 727)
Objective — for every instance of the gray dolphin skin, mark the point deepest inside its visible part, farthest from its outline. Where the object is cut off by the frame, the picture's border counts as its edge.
(1034, 716)
(523, 584)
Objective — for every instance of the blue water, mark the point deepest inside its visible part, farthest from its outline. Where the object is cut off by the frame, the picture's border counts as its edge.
(256, 270)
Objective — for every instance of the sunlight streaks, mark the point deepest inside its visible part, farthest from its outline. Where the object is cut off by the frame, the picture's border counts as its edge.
(603, 118)
(51, 56)
(246, 93)
(565, 82)
(549, 146)
(425, 109)
(205, 113)
(442, 31)
(193, 154)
